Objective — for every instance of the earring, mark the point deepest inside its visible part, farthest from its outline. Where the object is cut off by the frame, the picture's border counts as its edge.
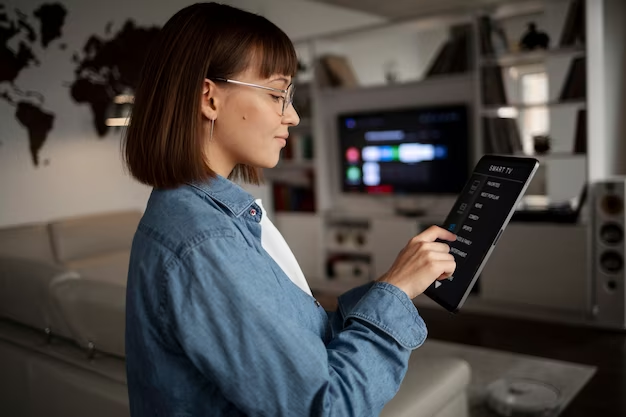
(212, 125)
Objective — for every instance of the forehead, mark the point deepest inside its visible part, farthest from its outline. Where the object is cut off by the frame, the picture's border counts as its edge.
(252, 75)
(256, 70)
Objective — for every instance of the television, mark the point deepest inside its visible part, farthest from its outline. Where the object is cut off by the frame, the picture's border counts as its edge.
(405, 151)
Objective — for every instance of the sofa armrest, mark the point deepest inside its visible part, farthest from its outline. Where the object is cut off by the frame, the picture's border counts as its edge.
(25, 292)
(432, 384)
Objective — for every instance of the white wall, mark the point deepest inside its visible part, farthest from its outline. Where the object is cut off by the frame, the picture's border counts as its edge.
(409, 49)
(83, 173)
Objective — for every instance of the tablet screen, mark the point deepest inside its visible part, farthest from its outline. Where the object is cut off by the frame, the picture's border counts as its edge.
(477, 218)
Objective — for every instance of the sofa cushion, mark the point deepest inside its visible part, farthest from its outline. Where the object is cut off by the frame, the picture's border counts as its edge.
(25, 296)
(94, 235)
(111, 267)
(94, 312)
(28, 241)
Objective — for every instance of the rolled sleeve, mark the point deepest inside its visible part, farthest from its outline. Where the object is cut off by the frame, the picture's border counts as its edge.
(349, 299)
(389, 309)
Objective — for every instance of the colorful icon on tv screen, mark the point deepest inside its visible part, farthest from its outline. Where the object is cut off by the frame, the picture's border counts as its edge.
(352, 155)
(353, 174)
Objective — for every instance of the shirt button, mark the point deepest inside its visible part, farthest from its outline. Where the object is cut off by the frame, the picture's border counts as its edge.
(252, 212)
(317, 303)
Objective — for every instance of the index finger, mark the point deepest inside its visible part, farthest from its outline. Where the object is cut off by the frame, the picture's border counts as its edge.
(433, 233)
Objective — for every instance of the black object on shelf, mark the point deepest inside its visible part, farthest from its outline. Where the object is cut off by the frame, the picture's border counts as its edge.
(552, 213)
(534, 39)
(541, 144)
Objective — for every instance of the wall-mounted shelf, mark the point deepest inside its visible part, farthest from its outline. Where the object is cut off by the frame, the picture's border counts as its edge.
(555, 155)
(493, 110)
(433, 80)
(532, 57)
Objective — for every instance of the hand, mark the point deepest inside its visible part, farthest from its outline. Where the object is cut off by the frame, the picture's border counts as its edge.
(422, 261)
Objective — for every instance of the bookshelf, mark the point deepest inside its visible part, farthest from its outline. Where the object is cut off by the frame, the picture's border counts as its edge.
(557, 156)
(511, 122)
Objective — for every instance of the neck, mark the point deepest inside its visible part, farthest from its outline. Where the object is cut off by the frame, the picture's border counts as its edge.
(218, 162)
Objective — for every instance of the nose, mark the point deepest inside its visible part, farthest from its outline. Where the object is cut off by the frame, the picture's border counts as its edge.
(291, 117)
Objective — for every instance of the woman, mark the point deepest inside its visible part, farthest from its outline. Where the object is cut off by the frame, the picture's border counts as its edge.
(217, 323)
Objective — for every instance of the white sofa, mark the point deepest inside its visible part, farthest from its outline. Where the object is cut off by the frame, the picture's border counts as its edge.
(62, 300)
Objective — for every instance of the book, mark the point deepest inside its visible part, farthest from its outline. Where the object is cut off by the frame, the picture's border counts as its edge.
(580, 136)
(574, 29)
(492, 85)
(501, 136)
(289, 197)
(484, 35)
(490, 146)
(302, 100)
(441, 60)
(337, 71)
(575, 86)
(454, 55)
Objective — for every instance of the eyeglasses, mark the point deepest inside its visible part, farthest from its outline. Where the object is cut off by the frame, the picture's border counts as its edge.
(288, 93)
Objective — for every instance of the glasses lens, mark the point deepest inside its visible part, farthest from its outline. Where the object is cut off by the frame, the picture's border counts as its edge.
(289, 97)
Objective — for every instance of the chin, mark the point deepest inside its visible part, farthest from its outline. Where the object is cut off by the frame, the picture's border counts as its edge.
(267, 163)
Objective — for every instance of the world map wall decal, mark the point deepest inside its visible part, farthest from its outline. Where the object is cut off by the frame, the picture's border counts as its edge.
(103, 68)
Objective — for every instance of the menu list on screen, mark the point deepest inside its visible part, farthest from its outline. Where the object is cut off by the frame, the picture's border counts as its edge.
(478, 216)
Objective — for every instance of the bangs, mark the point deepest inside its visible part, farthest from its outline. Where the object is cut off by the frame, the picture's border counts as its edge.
(274, 54)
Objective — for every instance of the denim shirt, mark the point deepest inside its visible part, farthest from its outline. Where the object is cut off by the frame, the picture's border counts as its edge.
(214, 327)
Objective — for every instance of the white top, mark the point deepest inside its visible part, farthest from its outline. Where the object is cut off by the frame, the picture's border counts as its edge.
(275, 245)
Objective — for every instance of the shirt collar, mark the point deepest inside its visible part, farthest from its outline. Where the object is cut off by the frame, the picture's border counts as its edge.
(226, 192)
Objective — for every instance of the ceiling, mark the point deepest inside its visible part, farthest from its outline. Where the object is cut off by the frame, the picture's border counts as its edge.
(403, 9)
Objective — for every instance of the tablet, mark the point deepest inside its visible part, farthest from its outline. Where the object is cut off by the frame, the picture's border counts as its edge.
(478, 217)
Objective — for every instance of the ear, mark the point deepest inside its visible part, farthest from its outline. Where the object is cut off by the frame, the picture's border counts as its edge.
(209, 100)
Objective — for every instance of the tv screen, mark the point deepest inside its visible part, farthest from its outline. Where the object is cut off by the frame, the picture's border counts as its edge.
(405, 151)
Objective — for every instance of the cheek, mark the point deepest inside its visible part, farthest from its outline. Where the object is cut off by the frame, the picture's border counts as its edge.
(259, 120)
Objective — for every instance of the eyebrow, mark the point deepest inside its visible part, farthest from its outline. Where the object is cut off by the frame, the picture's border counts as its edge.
(283, 79)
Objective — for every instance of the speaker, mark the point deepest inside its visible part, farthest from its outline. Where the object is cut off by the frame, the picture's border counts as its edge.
(608, 277)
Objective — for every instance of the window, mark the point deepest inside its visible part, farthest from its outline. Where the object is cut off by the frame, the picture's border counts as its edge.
(534, 121)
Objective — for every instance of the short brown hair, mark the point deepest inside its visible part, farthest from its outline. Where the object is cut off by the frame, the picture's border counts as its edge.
(163, 143)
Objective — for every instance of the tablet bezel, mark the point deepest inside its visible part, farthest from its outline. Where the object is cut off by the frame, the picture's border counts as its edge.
(497, 159)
